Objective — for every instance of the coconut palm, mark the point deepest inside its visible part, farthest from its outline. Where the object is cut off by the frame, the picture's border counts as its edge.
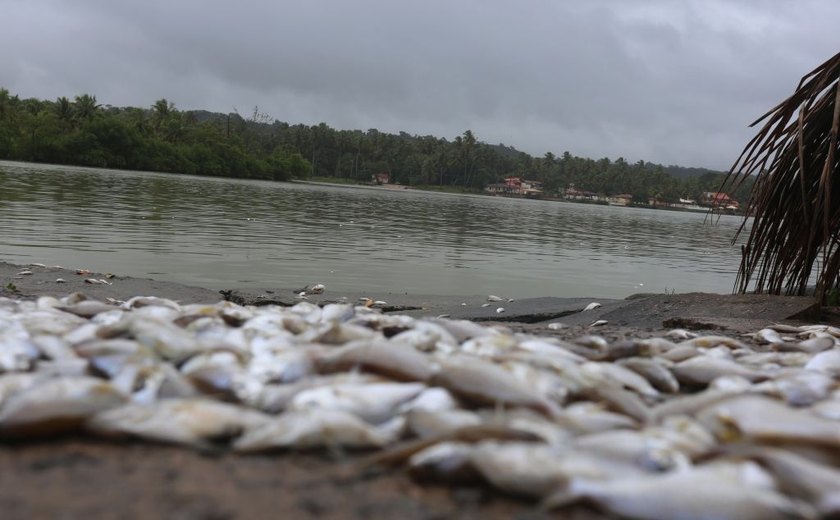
(86, 106)
(796, 207)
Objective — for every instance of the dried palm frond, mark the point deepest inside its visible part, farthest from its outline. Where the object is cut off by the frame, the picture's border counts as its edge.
(796, 210)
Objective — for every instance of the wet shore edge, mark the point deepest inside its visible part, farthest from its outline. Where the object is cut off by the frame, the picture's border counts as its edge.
(635, 316)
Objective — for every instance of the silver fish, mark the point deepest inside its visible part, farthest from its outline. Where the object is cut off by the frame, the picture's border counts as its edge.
(194, 422)
(317, 428)
(761, 418)
(56, 405)
(713, 492)
(485, 383)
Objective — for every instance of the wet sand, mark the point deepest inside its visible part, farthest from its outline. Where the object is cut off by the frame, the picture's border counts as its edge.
(82, 478)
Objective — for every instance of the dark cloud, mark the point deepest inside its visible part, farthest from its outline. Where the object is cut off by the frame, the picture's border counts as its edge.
(671, 82)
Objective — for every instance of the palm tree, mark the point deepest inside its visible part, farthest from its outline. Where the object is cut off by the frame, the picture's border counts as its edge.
(797, 210)
(63, 109)
(86, 106)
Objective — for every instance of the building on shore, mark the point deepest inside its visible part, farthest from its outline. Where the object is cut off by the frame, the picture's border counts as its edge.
(719, 200)
(572, 193)
(516, 187)
(381, 178)
(622, 199)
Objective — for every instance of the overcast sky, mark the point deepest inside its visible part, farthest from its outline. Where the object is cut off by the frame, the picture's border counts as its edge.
(670, 81)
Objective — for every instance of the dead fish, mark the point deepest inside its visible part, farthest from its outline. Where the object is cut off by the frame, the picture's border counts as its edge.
(761, 418)
(334, 333)
(785, 359)
(701, 370)
(145, 301)
(15, 382)
(426, 424)
(398, 362)
(803, 478)
(827, 362)
(810, 346)
(447, 462)
(585, 417)
(592, 341)
(830, 409)
(56, 406)
(483, 383)
(632, 448)
(284, 366)
(714, 341)
(88, 308)
(619, 374)
(618, 399)
(554, 431)
(556, 348)
(17, 353)
(691, 494)
(466, 434)
(432, 400)
(798, 387)
(598, 323)
(592, 306)
(655, 372)
(767, 337)
(459, 330)
(317, 428)
(680, 353)
(337, 312)
(525, 469)
(679, 334)
(373, 402)
(192, 422)
(494, 298)
(216, 379)
(427, 338)
(690, 404)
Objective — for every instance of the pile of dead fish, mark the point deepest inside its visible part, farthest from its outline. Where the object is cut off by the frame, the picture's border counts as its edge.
(673, 427)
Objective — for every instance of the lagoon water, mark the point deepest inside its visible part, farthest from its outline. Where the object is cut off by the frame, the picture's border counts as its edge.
(226, 233)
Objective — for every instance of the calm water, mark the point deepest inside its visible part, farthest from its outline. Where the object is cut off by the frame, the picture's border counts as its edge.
(223, 233)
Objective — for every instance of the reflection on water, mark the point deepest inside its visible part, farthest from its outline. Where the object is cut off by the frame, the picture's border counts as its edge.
(223, 233)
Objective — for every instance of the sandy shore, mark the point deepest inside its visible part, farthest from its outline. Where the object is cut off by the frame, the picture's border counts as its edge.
(81, 478)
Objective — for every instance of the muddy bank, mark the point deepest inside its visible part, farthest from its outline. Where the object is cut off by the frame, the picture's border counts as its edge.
(80, 478)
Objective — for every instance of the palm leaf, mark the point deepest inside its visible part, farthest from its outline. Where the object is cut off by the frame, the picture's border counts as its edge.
(794, 157)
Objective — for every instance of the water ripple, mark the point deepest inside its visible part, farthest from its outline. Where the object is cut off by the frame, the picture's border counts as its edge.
(221, 233)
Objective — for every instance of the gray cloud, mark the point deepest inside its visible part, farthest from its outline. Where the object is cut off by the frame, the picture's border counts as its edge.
(671, 82)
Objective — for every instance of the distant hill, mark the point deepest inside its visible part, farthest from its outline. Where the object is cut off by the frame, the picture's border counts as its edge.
(506, 151)
(683, 172)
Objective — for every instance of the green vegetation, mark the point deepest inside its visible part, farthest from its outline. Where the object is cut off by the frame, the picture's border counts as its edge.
(162, 138)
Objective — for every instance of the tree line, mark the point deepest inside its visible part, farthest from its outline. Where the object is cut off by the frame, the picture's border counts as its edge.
(162, 138)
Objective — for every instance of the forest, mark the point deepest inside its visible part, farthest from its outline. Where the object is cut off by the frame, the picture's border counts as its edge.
(162, 138)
